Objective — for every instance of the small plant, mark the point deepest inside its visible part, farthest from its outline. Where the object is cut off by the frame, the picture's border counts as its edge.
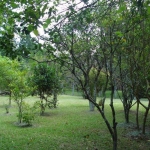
(29, 113)
(28, 118)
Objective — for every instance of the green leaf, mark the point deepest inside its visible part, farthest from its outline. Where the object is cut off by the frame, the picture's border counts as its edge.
(58, 18)
(10, 21)
(121, 9)
(148, 9)
(36, 32)
(48, 21)
(46, 24)
(118, 33)
(14, 5)
(8, 28)
(44, 8)
(30, 27)
(32, 14)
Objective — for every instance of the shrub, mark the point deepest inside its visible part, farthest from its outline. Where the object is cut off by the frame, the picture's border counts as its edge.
(28, 113)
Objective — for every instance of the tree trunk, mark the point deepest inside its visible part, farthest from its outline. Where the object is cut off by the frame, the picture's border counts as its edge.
(20, 111)
(115, 91)
(55, 99)
(103, 94)
(115, 142)
(145, 118)
(103, 103)
(126, 110)
(127, 115)
(42, 107)
(91, 106)
(10, 99)
(73, 88)
(137, 115)
(114, 136)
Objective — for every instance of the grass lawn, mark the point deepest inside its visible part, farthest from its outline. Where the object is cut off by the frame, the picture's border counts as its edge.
(79, 93)
(69, 127)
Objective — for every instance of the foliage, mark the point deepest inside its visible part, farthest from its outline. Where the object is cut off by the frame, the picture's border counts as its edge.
(29, 113)
(43, 78)
(8, 72)
(19, 86)
(46, 82)
(20, 90)
(108, 35)
(100, 82)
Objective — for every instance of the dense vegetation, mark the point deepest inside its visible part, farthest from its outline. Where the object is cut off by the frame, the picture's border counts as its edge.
(89, 46)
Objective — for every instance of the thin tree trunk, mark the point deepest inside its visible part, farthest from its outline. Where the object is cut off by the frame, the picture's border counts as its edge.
(145, 118)
(20, 111)
(73, 88)
(126, 110)
(127, 115)
(42, 107)
(55, 99)
(137, 115)
(115, 136)
(91, 106)
(112, 130)
(10, 99)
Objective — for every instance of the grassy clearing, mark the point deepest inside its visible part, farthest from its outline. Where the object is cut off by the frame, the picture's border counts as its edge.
(79, 93)
(69, 127)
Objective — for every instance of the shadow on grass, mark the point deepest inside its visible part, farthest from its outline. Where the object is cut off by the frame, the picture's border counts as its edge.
(49, 114)
(131, 132)
(23, 125)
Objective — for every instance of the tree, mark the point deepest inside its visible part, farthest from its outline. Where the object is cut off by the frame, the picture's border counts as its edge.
(56, 86)
(14, 80)
(20, 90)
(79, 42)
(133, 58)
(44, 80)
(8, 68)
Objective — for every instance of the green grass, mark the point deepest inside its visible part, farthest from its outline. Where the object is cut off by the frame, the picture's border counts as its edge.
(79, 93)
(69, 127)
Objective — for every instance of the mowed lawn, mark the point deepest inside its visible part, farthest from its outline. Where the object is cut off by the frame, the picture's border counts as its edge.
(71, 126)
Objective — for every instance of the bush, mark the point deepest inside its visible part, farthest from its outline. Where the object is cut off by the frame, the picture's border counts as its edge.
(28, 117)
(28, 113)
